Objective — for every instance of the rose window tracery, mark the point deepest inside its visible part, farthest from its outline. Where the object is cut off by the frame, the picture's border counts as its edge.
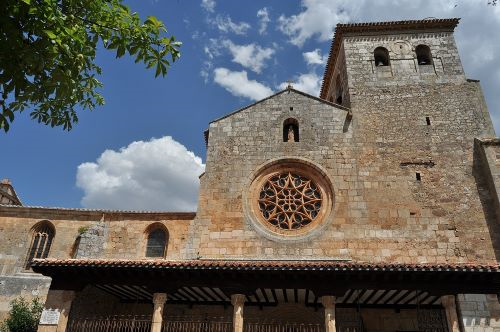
(289, 201)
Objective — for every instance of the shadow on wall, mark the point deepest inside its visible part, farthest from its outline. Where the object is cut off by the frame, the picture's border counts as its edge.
(487, 195)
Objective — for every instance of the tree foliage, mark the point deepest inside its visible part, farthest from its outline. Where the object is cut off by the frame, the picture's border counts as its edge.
(23, 316)
(48, 49)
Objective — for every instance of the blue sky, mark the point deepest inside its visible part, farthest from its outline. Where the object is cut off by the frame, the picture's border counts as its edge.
(233, 53)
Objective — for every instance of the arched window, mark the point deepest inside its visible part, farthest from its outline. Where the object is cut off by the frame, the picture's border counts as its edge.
(42, 237)
(424, 56)
(381, 55)
(157, 240)
(290, 130)
(338, 91)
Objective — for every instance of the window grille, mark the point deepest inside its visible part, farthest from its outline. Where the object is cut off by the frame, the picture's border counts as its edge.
(157, 243)
(43, 234)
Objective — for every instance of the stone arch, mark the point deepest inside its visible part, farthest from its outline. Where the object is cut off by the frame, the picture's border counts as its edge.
(291, 130)
(156, 237)
(381, 56)
(424, 55)
(42, 236)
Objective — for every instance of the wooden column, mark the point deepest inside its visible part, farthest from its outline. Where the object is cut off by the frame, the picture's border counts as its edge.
(159, 300)
(450, 308)
(238, 301)
(58, 304)
(329, 305)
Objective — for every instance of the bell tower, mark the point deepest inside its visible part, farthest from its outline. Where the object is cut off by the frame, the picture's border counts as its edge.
(388, 54)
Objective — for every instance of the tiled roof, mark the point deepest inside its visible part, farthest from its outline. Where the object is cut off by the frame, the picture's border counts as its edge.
(341, 29)
(180, 215)
(263, 265)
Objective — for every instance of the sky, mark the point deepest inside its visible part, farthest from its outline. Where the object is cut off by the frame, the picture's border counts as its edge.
(144, 149)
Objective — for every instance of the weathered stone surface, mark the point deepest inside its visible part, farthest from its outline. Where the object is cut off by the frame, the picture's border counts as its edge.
(412, 170)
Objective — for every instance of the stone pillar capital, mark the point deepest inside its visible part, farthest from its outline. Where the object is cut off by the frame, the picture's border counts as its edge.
(238, 299)
(159, 298)
(448, 301)
(328, 301)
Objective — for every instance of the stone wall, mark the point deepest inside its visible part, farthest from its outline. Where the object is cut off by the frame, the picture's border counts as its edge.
(479, 312)
(402, 172)
(242, 143)
(103, 234)
(403, 67)
(381, 211)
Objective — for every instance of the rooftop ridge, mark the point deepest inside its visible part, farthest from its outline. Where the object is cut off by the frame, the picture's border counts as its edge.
(95, 210)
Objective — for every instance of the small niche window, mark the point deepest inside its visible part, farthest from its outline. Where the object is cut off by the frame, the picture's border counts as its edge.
(157, 240)
(428, 120)
(424, 56)
(418, 177)
(381, 55)
(290, 130)
(42, 237)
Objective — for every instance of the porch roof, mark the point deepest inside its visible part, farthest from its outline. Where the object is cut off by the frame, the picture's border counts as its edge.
(41, 265)
(245, 276)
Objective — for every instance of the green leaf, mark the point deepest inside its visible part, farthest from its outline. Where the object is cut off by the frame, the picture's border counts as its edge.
(54, 74)
(120, 51)
(158, 69)
(49, 33)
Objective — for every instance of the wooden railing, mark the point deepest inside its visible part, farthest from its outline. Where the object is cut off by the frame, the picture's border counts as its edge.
(282, 327)
(124, 323)
(195, 324)
(115, 323)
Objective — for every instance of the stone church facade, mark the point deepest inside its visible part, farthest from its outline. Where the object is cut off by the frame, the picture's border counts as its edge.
(371, 208)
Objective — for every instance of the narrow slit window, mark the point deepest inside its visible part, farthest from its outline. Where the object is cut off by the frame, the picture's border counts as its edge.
(428, 120)
(418, 176)
(291, 108)
(290, 130)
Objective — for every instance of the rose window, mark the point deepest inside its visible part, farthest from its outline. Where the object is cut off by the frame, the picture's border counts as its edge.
(289, 201)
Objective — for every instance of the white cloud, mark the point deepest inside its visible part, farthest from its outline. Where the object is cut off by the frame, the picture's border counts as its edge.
(208, 5)
(476, 35)
(309, 83)
(160, 174)
(318, 18)
(314, 57)
(250, 56)
(226, 24)
(238, 84)
(263, 15)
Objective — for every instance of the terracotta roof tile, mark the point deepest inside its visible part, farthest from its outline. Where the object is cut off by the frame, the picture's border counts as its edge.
(261, 264)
